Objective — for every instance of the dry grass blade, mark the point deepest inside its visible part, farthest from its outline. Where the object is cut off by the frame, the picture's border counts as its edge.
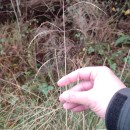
(88, 3)
(16, 14)
(44, 64)
(42, 33)
(125, 65)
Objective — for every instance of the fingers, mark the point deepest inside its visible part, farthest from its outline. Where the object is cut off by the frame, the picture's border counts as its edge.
(70, 106)
(83, 98)
(83, 86)
(79, 109)
(74, 107)
(81, 74)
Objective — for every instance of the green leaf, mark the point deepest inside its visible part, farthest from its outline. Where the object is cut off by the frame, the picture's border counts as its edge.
(113, 66)
(78, 35)
(127, 60)
(45, 88)
(44, 85)
(2, 40)
(90, 50)
(50, 88)
(123, 39)
(26, 89)
(100, 52)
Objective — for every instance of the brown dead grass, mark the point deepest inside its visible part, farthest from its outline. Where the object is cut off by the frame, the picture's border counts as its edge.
(42, 21)
(83, 23)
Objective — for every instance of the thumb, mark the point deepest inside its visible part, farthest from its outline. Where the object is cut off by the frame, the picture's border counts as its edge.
(83, 98)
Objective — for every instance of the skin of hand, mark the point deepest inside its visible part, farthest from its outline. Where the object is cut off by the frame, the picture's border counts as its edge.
(96, 87)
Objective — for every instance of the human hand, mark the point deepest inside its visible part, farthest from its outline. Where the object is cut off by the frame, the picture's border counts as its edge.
(96, 88)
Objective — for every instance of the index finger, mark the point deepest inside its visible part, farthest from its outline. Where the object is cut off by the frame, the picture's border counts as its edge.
(87, 73)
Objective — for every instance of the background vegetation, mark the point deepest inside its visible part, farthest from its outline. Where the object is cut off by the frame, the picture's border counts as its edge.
(42, 40)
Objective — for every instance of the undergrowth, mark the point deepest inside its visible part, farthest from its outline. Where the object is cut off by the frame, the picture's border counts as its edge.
(45, 40)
